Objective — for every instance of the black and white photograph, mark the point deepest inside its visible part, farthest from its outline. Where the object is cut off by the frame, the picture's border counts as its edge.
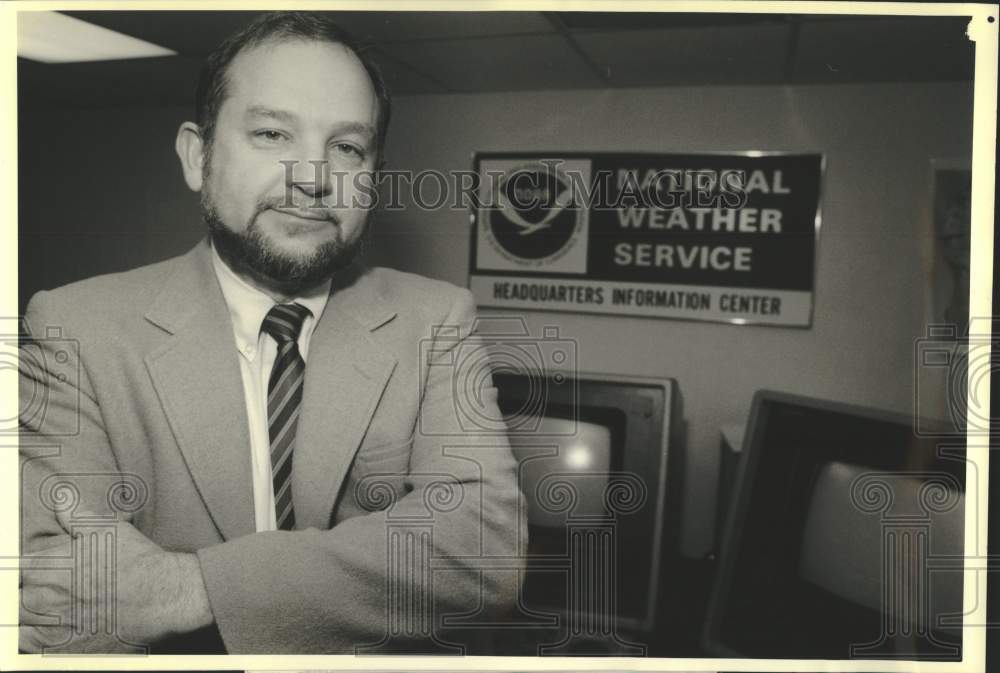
(595, 332)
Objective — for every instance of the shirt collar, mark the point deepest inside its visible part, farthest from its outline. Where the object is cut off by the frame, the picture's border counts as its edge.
(248, 306)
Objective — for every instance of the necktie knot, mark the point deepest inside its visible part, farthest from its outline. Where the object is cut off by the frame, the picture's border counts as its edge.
(284, 322)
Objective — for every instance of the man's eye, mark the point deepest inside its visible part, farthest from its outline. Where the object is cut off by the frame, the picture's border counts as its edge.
(269, 135)
(349, 150)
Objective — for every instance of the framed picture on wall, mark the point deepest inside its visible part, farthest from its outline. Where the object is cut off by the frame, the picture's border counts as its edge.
(951, 189)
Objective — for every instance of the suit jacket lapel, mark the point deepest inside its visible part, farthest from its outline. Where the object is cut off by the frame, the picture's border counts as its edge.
(197, 377)
(346, 373)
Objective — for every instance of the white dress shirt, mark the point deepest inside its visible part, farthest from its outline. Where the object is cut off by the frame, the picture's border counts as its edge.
(247, 308)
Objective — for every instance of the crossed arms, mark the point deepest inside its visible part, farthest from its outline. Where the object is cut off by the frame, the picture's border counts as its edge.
(303, 591)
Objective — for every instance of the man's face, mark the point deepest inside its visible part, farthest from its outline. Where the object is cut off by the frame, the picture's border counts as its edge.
(291, 102)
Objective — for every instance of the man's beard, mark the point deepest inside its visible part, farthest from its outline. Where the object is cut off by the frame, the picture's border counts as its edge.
(249, 252)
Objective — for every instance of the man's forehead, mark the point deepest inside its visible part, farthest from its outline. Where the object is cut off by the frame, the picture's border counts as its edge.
(276, 50)
(302, 78)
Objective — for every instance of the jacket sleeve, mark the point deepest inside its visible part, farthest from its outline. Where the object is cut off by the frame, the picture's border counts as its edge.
(427, 551)
(67, 464)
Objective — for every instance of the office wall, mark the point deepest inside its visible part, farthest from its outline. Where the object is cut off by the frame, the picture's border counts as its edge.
(875, 254)
(104, 192)
(99, 190)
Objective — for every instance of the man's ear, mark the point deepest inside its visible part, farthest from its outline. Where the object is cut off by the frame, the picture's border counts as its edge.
(190, 147)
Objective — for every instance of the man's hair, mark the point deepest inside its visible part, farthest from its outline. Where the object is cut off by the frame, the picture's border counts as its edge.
(280, 26)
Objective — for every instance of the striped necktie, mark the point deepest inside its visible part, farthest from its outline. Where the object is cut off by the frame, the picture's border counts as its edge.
(284, 397)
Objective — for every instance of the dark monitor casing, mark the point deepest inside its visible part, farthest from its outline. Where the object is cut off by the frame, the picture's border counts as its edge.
(760, 605)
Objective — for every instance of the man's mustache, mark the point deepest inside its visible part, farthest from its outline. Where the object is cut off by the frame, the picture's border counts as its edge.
(310, 209)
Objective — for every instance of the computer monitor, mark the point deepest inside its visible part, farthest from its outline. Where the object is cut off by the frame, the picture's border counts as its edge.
(844, 540)
(582, 453)
(599, 466)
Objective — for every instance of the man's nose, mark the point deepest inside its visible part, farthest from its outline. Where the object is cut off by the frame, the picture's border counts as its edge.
(310, 177)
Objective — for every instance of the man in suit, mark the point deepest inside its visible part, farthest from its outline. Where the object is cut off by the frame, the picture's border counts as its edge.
(267, 431)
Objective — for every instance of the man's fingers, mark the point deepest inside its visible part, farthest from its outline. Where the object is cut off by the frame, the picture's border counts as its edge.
(81, 516)
(77, 515)
(39, 610)
(36, 639)
(56, 577)
(75, 518)
(54, 556)
(28, 641)
(42, 566)
(35, 573)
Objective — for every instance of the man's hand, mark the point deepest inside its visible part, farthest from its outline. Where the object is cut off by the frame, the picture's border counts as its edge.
(137, 596)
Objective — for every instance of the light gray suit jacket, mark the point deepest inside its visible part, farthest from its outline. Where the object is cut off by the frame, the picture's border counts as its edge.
(141, 411)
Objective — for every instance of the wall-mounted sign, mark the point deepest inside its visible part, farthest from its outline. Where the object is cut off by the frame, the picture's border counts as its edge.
(720, 237)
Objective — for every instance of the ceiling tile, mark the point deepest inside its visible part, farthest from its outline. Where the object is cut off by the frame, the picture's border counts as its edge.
(439, 52)
(407, 26)
(188, 33)
(143, 81)
(500, 63)
(605, 21)
(197, 33)
(402, 80)
(884, 49)
(157, 81)
(708, 55)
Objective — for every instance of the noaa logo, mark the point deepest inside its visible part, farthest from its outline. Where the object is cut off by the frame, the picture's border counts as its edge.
(535, 216)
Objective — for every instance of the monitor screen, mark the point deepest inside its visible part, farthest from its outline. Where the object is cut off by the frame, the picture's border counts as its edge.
(578, 453)
(843, 546)
(597, 465)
